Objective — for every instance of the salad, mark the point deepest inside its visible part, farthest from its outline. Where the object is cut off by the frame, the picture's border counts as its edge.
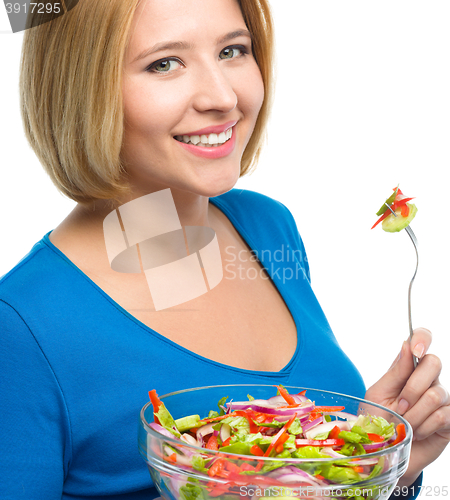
(404, 212)
(283, 427)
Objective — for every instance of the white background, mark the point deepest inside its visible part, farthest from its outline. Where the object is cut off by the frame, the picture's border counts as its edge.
(362, 104)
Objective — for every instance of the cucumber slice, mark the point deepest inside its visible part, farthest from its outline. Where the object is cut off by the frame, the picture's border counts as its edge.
(185, 423)
(394, 224)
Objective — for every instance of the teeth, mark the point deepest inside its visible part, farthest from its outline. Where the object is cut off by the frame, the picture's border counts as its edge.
(206, 140)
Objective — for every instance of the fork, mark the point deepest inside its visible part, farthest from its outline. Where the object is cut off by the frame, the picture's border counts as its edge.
(415, 243)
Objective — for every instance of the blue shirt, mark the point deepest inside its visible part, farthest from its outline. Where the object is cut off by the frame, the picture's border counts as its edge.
(76, 367)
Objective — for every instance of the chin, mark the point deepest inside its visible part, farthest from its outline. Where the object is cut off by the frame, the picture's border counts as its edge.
(217, 185)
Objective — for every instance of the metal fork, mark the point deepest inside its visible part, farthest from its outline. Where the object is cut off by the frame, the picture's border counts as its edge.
(415, 243)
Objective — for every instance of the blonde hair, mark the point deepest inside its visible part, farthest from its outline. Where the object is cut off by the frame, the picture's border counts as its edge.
(71, 94)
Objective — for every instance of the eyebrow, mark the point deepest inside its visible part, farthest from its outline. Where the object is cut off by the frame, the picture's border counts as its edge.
(186, 46)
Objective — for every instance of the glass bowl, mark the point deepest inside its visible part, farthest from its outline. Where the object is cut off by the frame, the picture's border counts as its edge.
(176, 478)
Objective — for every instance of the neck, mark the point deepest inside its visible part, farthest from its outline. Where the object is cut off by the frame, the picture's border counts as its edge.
(192, 209)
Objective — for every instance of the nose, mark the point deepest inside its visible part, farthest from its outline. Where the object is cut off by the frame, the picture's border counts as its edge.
(214, 89)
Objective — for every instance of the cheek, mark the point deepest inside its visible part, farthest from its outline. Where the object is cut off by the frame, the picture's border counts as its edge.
(251, 92)
(150, 112)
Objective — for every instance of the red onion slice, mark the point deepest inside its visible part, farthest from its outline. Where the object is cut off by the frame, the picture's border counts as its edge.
(374, 446)
(293, 475)
(312, 424)
(203, 431)
(332, 453)
(365, 461)
(326, 427)
(280, 401)
(263, 406)
(159, 428)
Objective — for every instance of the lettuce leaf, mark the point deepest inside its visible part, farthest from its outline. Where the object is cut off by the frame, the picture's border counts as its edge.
(166, 420)
(308, 452)
(191, 492)
(296, 427)
(340, 474)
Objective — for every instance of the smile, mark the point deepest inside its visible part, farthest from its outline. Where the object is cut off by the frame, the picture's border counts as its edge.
(211, 140)
(209, 146)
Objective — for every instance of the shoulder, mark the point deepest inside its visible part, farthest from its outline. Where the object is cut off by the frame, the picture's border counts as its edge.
(264, 222)
(34, 278)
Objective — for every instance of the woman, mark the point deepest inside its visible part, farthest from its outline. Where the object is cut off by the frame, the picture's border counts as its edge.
(110, 115)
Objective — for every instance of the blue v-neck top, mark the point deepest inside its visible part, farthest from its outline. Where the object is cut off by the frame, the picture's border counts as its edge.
(76, 367)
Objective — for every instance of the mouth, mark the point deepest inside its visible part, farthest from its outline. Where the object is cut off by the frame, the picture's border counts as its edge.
(206, 141)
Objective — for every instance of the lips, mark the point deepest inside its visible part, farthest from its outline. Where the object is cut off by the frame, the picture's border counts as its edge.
(206, 140)
(207, 150)
(215, 129)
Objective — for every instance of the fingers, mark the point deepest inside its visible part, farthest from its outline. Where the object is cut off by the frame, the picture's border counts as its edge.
(437, 422)
(393, 381)
(419, 383)
(403, 367)
(420, 342)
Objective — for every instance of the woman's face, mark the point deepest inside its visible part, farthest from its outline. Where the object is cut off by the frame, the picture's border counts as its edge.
(190, 78)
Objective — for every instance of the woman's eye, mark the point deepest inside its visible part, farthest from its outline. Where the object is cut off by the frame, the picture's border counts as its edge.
(164, 66)
(232, 52)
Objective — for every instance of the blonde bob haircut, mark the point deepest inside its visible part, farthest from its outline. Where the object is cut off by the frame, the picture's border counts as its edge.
(71, 94)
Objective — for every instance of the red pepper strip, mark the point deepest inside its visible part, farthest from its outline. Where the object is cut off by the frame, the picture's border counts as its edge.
(334, 433)
(259, 466)
(405, 210)
(212, 443)
(381, 218)
(376, 438)
(260, 418)
(276, 441)
(256, 450)
(358, 468)
(302, 393)
(172, 458)
(246, 466)
(287, 397)
(319, 442)
(329, 408)
(279, 448)
(401, 434)
(156, 402)
(215, 419)
(268, 417)
(227, 442)
(247, 414)
(216, 468)
(219, 489)
(231, 467)
(313, 416)
(400, 203)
